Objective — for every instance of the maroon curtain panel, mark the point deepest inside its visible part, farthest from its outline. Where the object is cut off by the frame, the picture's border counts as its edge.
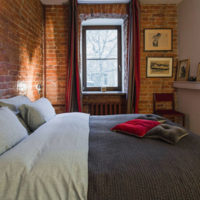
(133, 58)
(73, 89)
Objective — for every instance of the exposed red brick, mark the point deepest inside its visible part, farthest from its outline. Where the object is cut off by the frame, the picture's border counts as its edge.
(57, 24)
(157, 16)
(21, 46)
(57, 46)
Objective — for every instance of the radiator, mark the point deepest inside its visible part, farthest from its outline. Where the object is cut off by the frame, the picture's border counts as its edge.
(104, 109)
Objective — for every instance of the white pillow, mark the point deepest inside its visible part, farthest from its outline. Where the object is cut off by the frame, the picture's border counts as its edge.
(37, 113)
(16, 101)
(11, 130)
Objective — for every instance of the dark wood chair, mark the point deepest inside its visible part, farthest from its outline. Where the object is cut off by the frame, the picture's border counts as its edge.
(170, 113)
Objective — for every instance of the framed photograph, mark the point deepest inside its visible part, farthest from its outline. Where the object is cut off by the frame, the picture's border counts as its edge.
(198, 72)
(158, 39)
(158, 67)
(183, 70)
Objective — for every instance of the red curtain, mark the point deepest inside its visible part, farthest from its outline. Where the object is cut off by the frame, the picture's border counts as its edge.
(133, 58)
(73, 89)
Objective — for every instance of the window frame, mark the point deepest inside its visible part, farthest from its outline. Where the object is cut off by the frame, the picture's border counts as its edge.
(119, 60)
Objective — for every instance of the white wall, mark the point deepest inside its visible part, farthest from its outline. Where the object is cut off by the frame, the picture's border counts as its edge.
(189, 103)
(189, 32)
(189, 47)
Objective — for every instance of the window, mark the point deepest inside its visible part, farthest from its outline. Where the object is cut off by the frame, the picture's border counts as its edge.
(102, 58)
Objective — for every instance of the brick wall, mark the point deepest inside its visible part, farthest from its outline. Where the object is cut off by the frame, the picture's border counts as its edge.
(57, 38)
(21, 46)
(57, 46)
(102, 8)
(156, 16)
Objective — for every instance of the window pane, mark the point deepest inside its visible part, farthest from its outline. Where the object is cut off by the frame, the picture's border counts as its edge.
(102, 73)
(101, 44)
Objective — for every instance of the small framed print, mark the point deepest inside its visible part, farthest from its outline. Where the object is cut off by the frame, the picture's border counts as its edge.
(158, 39)
(183, 70)
(158, 67)
(198, 73)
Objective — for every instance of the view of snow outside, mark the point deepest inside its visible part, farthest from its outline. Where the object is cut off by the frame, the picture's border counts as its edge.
(102, 58)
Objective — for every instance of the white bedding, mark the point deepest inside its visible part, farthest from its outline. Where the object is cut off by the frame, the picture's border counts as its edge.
(51, 164)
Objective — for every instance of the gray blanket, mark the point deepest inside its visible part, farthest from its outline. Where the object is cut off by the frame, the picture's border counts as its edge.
(123, 167)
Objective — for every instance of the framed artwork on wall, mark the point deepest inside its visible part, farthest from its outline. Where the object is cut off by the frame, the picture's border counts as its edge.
(183, 70)
(158, 67)
(198, 72)
(158, 39)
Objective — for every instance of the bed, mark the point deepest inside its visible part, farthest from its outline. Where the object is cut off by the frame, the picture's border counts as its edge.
(76, 156)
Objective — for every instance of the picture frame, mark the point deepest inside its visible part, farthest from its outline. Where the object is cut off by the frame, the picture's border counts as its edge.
(158, 39)
(198, 72)
(183, 70)
(159, 67)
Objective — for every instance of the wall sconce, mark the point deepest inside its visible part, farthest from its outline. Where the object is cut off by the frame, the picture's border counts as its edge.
(22, 87)
(39, 88)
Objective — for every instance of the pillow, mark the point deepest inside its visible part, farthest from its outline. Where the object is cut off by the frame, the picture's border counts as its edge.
(10, 106)
(37, 113)
(15, 102)
(153, 118)
(16, 111)
(136, 127)
(168, 133)
(23, 123)
(11, 131)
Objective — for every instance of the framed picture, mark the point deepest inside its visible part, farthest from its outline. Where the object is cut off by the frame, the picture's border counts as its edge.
(183, 70)
(158, 67)
(198, 72)
(158, 39)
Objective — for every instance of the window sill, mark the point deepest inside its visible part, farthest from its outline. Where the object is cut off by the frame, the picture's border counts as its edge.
(117, 93)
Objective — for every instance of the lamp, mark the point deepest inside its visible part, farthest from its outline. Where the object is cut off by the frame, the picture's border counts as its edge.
(22, 87)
